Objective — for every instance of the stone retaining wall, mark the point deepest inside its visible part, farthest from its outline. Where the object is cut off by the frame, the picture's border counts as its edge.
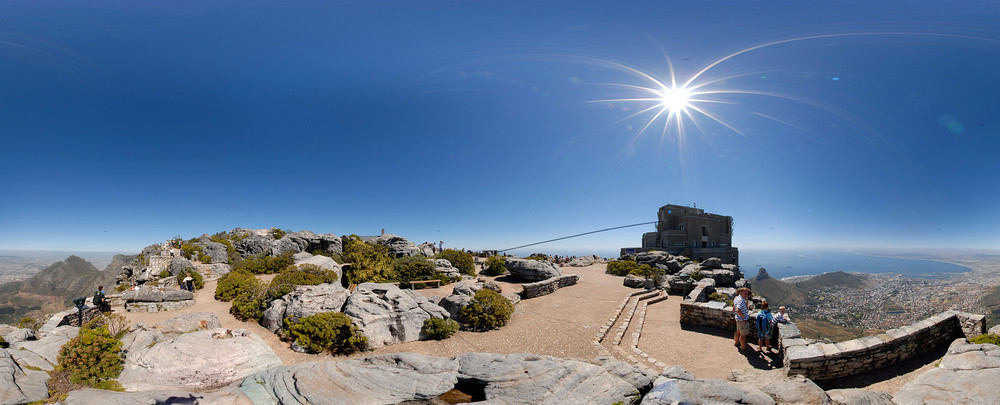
(157, 306)
(717, 315)
(825, 361)
(549, 286)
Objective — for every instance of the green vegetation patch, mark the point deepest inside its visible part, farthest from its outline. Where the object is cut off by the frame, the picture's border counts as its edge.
(331, 332)
(369, 262)
(986, 338)
(439, 329)
(91, 357)
(416, 268)
(488, 310)
(495, 266)
(263, 264)
(621, 267)
(463, 261)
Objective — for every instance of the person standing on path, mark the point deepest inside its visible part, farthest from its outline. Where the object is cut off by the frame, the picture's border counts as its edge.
(742, 315)
(764, 323)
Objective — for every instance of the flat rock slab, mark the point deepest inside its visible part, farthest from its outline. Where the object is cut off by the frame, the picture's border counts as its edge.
(190, 322)
(201, 360)
(19, 385)
(968, 374)
(48, 345)
(90, 396)
(385, 379)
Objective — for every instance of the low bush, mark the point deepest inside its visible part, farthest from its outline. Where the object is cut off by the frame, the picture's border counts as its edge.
(986, 338)
(164, 273)
(278, 233)
(461, 260)
(91, 357)
(199, 280)
(369, 262)
(4, 344)
(415, 268)
(29, 323)
(327, 331)
(621, 267)
(488, 310)
(117, 324)
(439, 329)
(721, 298)
(697, 275)
(495, 266)
(263, 264)
(191, 251)
(646, 271)
(232, 284)
(306, 274)
(249, 304)
(206, 259)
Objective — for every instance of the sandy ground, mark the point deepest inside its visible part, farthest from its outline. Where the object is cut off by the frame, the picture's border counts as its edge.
(562, 325)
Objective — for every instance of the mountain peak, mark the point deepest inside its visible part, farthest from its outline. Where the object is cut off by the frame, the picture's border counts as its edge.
(762, 275)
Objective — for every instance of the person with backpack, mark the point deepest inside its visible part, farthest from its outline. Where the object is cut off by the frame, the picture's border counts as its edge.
(764, 322)
(100, 301)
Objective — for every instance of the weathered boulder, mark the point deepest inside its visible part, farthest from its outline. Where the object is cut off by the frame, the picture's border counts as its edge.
(19, 335)
(634, 281)
(995, 330)
(215, 250)
(444, 266)
(672, 390)
(190, 322)
(712, 263)
(427, 249)
(274, 316)
(179, 264)
(252, 244)
(467, 287)
(796, 390)
(967, 374)
(386, 314)
(140, 338)
(91, 396)
(532, 270)
(49, 343)
(584, 261)
(855, 396)
(492, 285)
(19, 385)
(308, 300)
(306, 241)
(652, 257)
(177, 295)
(640, 379)
(454, 303)
(386, 379)
(215, 270)
(143, 295)
(200, 360)
(323, 262)
(533, 379)
(398, 246)
(27, 359)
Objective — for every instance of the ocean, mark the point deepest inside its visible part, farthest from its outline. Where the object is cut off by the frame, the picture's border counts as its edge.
(788, 263)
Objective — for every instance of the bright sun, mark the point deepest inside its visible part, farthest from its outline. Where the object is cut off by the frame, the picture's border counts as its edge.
(676, 100)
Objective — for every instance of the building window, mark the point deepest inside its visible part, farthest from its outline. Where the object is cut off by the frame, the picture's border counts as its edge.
(704, 230)
(684, 228)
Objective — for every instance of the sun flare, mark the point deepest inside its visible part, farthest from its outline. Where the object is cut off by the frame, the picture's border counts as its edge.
(676, 100)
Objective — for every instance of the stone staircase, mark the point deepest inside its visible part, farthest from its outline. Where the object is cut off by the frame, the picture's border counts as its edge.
(627, 321)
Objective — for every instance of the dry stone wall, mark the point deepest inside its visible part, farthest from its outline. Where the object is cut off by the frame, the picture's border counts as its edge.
(549, 286)
(825, 361)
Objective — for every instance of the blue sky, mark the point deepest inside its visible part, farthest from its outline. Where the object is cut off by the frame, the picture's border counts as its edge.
(125, 123)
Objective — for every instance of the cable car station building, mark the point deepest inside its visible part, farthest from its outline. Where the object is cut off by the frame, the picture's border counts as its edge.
(691, 232)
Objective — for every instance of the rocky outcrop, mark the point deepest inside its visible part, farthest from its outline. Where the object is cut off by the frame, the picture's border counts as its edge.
(190, 322)
(306, 241)
(427, 249)
(90, 396)
(214, 250)
(585, 261)
(385, 379)
(19, 385)
(445, 266)
(388, 315)
(532, 270)
(48, 345)
(634, 281)
(533, 379)
(305, 300)
(149, 299)
(200, 360)
(252, 245)
(454, 304)
(467, 287)
(675, 385)
(398, 246)
(967, 374)
(860, 397)
(179, 264)
(320, 261)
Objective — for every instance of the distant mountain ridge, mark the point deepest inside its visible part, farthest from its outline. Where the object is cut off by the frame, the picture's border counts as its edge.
(52, 289)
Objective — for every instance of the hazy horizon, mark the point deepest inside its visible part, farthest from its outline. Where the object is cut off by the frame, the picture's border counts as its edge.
(489, 125)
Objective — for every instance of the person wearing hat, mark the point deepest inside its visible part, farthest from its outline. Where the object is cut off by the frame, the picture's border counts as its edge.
(188, 284)
(742, 315)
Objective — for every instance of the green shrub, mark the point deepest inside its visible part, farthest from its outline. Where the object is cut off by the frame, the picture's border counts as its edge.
(91, 357)
(538, 256)
(721, 298)
(461, 260)
(199, 280)
(306, 274)
(278, 233)
(232, 284)
(495, 266)
(263, 264)
(223, 238)
(697, 276)
(439, 329)
(29, 323)
(249, 304)
(369, 262)
(415, 268)
(621, 267)
(164, 273)
(4, 344)
(986, 338)
(190, 251)
(488, 310)
(327, 331)
(110, 385)
(646, 271)
(206, 259)
(117, 324)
